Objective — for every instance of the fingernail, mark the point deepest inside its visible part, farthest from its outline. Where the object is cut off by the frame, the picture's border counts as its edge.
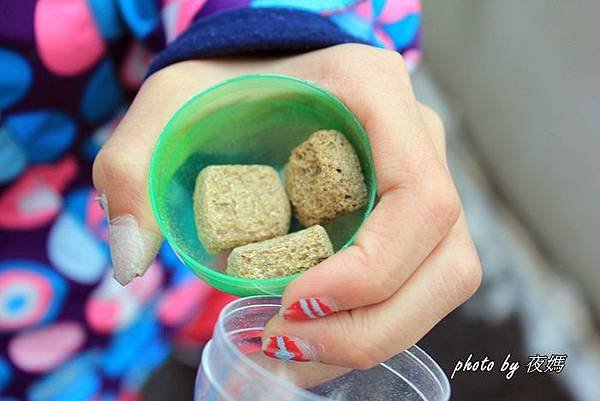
(132, 249)
(289, 348)
(309, 308)
(102, 202)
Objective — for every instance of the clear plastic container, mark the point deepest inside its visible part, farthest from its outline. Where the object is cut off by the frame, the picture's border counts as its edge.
(251, 119)
(233, 368)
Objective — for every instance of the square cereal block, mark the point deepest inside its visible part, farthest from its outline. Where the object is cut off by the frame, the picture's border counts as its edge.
(324, 179)
(282, 256)
(237, 204)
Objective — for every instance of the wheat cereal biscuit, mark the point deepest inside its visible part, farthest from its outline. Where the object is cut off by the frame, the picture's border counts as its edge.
(238, 204)
(281, 256)
(324, 179)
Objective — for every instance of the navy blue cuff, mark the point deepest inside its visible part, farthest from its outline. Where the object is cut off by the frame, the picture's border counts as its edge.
(251, 31)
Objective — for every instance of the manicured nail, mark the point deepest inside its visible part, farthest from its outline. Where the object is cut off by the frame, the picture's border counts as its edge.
(288, 348)
(309, 308)
(132, 249)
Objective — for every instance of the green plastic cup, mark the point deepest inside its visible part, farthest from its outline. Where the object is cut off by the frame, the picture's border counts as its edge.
(251, 119)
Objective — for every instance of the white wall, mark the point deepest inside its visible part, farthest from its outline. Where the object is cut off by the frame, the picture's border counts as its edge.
(526, 75)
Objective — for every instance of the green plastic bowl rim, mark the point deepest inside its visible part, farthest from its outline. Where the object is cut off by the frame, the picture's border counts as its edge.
(164, 136)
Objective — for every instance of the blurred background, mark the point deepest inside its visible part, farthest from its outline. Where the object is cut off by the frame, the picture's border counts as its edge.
(517, 86)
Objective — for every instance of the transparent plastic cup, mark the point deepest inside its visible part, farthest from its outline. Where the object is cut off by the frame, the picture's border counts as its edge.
(233, 368)
(251, 119)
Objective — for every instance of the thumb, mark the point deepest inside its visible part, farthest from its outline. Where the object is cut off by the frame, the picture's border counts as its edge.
(121, 168)
(134, 238)
(120, 176)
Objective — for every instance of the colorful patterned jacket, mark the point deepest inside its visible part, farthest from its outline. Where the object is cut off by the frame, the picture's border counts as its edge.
(68, 69)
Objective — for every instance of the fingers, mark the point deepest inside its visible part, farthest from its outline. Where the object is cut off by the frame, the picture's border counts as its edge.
(120, 176)
(418, 202)
(435, 128)
(121, 168)
(366, 336)
(407, 189)
(374, 84)
(413, 261)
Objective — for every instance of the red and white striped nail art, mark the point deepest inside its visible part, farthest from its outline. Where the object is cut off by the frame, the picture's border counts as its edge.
(287, 348)
(308, 308)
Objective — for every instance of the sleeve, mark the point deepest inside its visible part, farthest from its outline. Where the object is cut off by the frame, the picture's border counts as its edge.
(228, 27)
(168, 31)
(248, 30)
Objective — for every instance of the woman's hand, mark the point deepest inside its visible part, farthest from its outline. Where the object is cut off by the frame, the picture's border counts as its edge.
(121, 168)
(413, 260)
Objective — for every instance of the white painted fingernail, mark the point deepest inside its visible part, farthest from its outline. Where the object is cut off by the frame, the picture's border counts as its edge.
(132, 249)
(103, 203)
